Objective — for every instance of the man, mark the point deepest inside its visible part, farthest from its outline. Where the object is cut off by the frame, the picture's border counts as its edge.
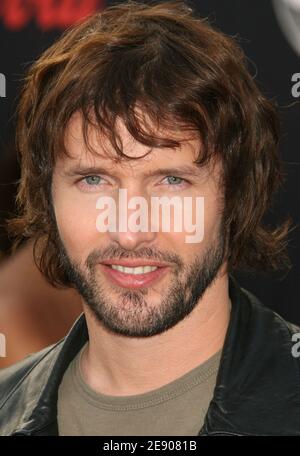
(151, 103)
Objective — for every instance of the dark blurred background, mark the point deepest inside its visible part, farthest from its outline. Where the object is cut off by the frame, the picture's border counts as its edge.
(32, 313)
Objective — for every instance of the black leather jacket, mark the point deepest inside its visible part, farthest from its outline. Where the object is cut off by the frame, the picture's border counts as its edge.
(257, 390)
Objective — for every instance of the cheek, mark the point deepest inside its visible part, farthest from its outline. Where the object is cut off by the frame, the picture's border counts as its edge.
(76, 221)
(200, 222)
(204, 218)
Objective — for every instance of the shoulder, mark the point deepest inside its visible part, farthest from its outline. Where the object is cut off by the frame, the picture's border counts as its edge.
(270, 336)
(258, 386)
(13, 377)
(268, 318)
(29, 388)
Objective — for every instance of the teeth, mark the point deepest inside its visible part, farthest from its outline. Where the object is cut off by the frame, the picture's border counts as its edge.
(138, 270)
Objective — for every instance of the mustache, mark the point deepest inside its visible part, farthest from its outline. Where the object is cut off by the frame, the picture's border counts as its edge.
(116, 253)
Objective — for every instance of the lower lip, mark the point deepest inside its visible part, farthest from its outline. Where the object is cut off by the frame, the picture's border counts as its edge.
(133, 280)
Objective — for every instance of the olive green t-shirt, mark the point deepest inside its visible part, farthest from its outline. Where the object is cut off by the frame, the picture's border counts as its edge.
(177, 408)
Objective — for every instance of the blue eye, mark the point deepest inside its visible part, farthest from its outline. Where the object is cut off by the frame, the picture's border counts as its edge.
(173, 180)
(92, 180)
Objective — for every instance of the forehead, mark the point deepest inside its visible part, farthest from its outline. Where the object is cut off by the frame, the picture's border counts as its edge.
(79, 153)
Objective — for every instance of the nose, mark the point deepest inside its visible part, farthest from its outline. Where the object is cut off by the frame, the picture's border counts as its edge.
(133, 220)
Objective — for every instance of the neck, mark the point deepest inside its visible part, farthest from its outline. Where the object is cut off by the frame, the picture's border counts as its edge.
(120, 366)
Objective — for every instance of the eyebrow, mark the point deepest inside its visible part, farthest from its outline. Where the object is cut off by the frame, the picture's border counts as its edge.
(186, 170)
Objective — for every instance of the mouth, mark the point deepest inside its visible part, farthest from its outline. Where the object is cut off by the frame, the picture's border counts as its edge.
(133, 276)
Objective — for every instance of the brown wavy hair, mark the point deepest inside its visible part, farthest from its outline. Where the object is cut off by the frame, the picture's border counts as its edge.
(180, 70)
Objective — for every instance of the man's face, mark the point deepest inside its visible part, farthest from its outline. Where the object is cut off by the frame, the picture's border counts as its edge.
(136, 302)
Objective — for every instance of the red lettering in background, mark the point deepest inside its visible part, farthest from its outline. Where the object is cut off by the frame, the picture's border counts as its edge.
(15, 13)
(48, 14)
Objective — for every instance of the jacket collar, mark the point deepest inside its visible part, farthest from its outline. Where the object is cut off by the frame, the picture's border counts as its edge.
(258, 384)
(256, 375)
